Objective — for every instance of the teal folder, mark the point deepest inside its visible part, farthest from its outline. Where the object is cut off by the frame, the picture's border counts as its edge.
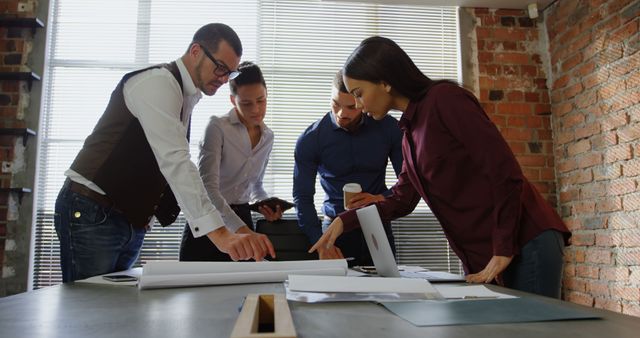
(486, 311)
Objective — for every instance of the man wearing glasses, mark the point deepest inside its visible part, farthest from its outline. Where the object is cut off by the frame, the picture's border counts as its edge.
(136, 164)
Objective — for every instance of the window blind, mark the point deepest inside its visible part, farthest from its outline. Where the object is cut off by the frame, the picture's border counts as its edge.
(298, 44)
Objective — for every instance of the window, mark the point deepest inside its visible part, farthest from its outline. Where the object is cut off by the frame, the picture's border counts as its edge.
(299, 45)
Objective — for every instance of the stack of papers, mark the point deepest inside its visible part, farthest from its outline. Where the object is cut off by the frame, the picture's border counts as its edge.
(183, 274)
(312, 289)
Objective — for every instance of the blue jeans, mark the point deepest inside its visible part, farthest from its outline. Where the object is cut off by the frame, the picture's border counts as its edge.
(538, 268)
(93, 240)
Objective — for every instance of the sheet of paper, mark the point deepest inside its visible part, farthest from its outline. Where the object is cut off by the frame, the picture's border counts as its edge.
(433, 276)
(359, 284)
(180, 268)
(136, 272)
(184, 274)
(455, 291)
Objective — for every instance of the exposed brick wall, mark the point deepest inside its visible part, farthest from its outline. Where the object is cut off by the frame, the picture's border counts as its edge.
(513, 90)
(565, 93)
(595, 97)
(15, 44)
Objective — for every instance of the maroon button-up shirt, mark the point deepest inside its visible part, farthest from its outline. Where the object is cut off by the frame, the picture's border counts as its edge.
(458, 162)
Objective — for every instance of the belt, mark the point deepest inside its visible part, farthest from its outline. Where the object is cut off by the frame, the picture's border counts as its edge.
(101, 200)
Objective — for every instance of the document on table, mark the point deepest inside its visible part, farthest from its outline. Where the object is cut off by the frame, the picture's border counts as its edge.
(165, 274)
(313, 289)
(456, 291)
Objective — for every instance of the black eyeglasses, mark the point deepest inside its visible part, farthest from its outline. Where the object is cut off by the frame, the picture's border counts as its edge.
(221, 69)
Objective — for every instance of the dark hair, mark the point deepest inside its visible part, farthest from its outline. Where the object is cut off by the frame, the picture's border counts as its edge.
(211, 34)
(379, 59)
(250, 73)
(338, 82)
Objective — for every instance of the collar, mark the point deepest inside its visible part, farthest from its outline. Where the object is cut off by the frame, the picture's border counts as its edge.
(335, 125)
(189, 88)
(408, 116)
(234, 119)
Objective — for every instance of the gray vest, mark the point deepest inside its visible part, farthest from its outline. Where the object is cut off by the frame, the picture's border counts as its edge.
(117, 157)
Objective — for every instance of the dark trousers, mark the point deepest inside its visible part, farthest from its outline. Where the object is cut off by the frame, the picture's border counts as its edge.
(538, 267)
(202, 249)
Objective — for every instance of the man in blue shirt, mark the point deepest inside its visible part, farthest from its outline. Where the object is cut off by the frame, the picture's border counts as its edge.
(345, 146)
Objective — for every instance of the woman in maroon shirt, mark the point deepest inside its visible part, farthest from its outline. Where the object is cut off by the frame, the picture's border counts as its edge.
(458, 162)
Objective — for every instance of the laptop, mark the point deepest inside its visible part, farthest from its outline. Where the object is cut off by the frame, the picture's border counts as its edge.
(381, 253)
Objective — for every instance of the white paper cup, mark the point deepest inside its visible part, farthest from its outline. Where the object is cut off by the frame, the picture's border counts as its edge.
(349, 190)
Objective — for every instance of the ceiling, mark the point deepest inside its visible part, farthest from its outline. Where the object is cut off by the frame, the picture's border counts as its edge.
(512, 4)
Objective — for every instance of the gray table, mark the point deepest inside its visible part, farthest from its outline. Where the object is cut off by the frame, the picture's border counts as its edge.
(89, 310)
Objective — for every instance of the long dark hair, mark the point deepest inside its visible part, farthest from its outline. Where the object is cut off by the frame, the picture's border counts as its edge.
(380, 59)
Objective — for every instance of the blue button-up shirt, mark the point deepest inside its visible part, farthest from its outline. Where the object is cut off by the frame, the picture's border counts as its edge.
(342, 157)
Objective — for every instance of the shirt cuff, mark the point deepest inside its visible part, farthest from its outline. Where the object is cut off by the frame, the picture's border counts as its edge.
(234, 223)
(205, 224)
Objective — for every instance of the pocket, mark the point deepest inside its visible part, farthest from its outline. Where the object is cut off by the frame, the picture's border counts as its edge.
(84, 212)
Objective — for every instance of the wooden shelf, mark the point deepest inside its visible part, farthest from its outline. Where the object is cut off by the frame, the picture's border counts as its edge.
(23, 132)
(20, 76)
(33, 23)
(19, 191)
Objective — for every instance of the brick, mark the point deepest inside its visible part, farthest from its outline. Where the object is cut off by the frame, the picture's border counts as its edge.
(578, 147)
(598, 256)
(626, 293)
(584, 207)
(512, 58)
(608, 304)
(631, 309)
(575, 284)
(614, 274)
(593, 190)
(631, 238)
(590, 159)
(509, 34)
(609, 204)
(604, 141)
(622, 186)
(629, 133)
(532, 97)
(584, 239)
(608, 239)
(573, 90)
(598, 289)
(618, 153)
(611, 89)
(564, 137)
(579, 298)
(624, 220)
(587, 130)
(561, 82)
(631, 168)
(562, 109)
(571, 62)
(628, 257)
(515, 96)
(594, 223)
(631, 201)
(586, 99)
(515, 121)
(542, 109)
(569, 195)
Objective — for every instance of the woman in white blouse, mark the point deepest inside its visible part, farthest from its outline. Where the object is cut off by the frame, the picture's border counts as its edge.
(233, 157)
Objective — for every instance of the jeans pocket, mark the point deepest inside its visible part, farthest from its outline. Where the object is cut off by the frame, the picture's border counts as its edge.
(84, 212)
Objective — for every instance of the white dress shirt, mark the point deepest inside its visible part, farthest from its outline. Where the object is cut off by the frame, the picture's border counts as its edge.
(231, 170)
(155, 99)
